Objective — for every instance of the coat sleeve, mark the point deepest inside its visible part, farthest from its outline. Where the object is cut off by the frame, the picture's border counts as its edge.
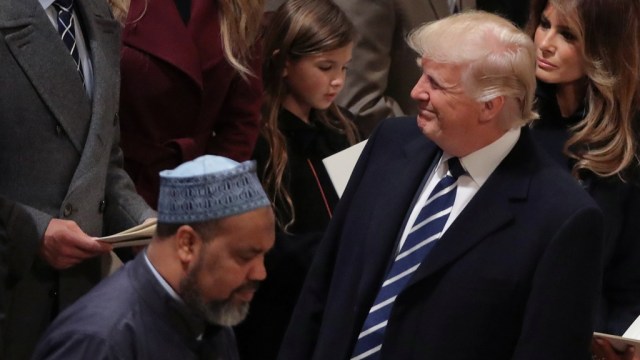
(19, 236)
(560, 312)
(125, 208)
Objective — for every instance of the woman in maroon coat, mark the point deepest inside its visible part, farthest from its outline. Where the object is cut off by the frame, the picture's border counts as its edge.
(191, 84)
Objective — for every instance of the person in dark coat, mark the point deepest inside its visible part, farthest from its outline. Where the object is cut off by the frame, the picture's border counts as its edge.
(494, 273)
(178, 299)
(308, 47)
(60, 156)
(588, 99)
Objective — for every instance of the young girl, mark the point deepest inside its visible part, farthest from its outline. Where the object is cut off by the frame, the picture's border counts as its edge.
(307, 48)
(588, 93)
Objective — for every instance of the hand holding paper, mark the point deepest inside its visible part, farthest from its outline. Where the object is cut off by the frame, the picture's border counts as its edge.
(631, 338)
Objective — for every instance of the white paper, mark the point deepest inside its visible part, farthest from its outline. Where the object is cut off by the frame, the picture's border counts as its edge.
(137, 235)
(340, 165)
(633, 332)
(630, 337)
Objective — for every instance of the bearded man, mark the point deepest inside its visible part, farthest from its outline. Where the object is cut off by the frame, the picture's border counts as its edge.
(178, 299)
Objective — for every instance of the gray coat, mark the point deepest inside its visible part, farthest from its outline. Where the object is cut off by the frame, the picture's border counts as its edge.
(59, 154)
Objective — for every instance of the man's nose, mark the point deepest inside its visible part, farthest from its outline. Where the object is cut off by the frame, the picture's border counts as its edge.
(258, 272)
(420, 91)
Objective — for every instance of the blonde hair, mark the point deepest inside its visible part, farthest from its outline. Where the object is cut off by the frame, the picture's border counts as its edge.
(240, 22)
(297, 29)
(499, 58)
(604, 142)
(239, 27)
(119, 9)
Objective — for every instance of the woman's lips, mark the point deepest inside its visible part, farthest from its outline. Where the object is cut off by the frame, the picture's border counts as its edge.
(546, 65)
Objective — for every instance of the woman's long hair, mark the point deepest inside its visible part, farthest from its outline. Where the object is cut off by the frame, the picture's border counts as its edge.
(239, 26)
(297, 29)
(605, 141)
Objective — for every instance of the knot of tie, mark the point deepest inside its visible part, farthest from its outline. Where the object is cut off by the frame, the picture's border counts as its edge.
(455, 168)
(66, 5)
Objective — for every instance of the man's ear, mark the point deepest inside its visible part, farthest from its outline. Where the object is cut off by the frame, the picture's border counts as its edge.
(188, 244)
(491, 108)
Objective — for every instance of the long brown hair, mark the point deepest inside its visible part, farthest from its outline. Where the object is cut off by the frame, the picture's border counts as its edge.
(297, 29)
(605, 141)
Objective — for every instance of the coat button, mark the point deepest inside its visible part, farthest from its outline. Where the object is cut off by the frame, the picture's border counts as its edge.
(67, 210)
(58, 129)
(102, 206)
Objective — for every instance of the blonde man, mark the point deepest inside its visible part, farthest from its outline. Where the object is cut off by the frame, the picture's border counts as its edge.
(456, 238)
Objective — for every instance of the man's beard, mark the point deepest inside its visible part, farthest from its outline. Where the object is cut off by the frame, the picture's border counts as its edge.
(220, 312)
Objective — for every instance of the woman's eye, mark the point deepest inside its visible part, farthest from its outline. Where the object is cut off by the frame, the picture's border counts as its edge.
(568, 35)
(325, 67)
(544, 23)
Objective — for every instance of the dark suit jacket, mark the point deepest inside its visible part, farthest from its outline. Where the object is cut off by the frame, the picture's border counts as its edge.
(59, 151)
(180, 98)
(131, 316)
(516, 276)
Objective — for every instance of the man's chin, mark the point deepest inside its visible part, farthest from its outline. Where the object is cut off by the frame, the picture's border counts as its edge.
(229, 313)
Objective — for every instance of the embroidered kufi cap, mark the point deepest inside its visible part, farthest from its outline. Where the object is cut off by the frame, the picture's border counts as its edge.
(207, 188)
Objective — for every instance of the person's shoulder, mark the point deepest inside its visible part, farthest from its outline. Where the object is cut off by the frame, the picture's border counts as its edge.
(400, 126)
(555, 186)
(103, 308)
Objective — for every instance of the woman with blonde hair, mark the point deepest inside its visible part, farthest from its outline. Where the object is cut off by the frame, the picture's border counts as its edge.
(588, 70)
(191, 83)
(307, 48)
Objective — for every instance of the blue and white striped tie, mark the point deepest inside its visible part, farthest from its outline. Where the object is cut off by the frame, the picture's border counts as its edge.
(66, 28)
(426, 229)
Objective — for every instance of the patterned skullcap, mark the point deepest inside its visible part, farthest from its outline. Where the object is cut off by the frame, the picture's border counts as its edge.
(207, 188)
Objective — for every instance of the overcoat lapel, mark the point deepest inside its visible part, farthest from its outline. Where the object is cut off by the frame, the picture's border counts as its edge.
(159, 31)
(488, 212)
(38, 48)
(408, 172)
(102, 42)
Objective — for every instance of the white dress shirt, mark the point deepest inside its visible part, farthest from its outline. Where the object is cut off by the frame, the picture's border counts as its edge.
(479, 166)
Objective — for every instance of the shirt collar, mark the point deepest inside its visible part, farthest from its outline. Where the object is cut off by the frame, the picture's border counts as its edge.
(161, 280)
(481, 163)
